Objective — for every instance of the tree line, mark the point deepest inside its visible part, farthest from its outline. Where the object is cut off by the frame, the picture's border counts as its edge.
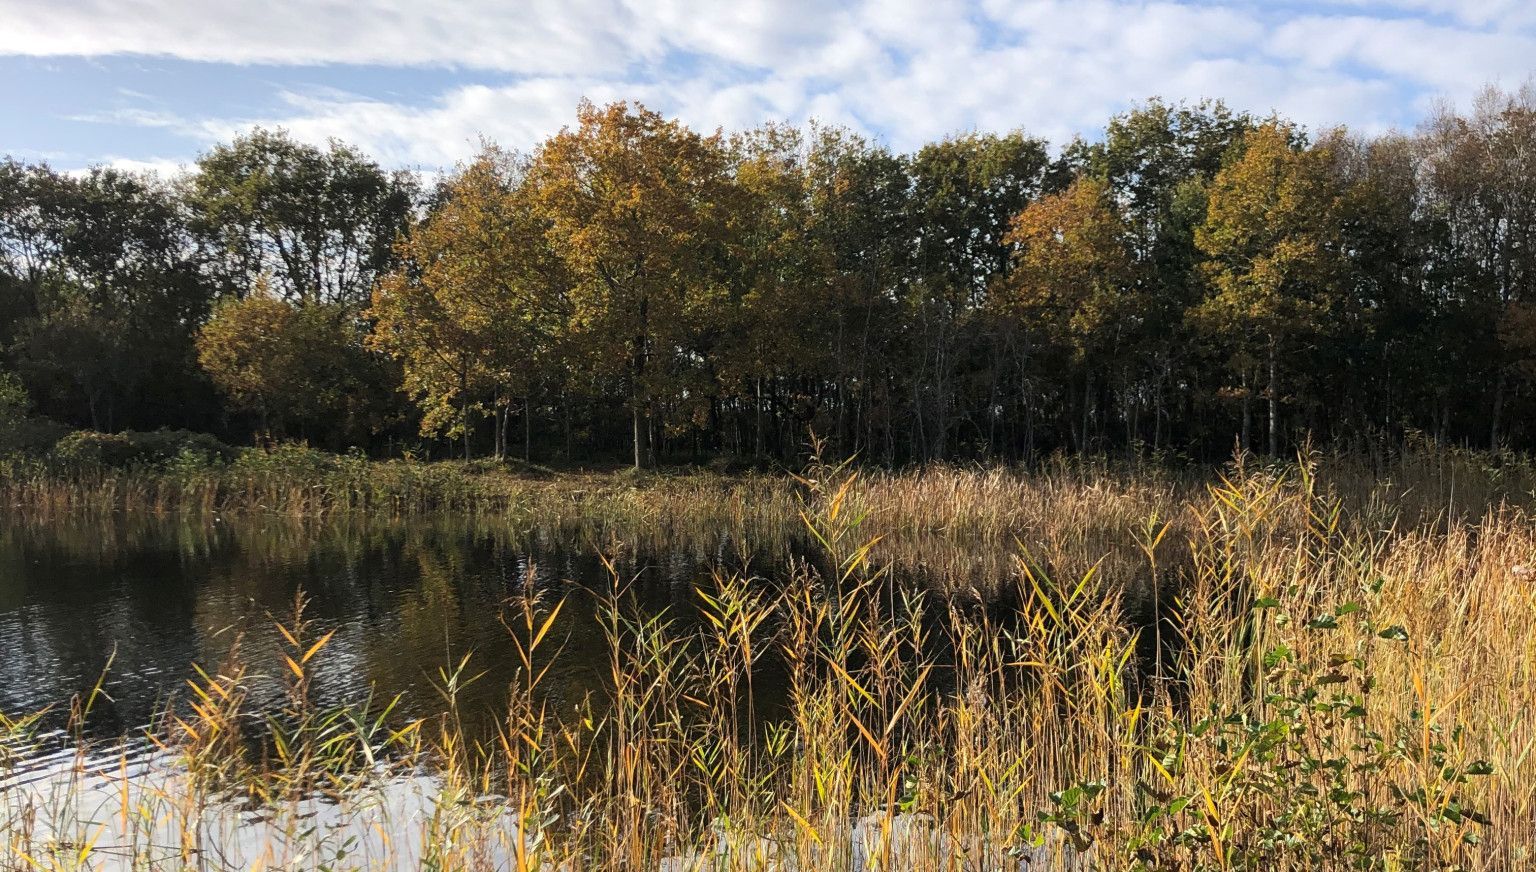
(632, 287)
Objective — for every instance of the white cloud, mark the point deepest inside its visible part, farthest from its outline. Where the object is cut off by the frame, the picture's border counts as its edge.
(431, 136)
(908, 70)
(165, 168)
(133, 117)
(536, 36)
(1455, 60)
(1476, 13)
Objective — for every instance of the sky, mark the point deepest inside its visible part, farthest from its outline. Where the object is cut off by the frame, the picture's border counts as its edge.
(151, 84)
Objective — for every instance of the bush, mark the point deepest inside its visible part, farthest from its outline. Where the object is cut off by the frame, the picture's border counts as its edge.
(141, 449)
(33, 437)
(89, 448)
(160, 447)
(20, 432)
(290, 459)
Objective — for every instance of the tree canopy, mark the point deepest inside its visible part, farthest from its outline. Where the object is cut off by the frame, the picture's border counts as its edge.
(634, 288)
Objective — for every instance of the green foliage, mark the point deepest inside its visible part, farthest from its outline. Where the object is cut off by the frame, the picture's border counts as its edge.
(20, 432)
(132, 450)
(103, 287)
(14, 402)
(295, 460)
(318, 223)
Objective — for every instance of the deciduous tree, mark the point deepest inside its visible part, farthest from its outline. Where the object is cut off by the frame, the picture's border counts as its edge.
(1072, 281)
(477, 314)
(318, 224)
(638, 209)
(1275, 262)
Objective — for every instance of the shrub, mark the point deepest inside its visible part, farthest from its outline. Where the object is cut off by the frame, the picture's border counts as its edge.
(159, 447)
(32, 437)
(294, 459)
(140, 449)
(89, 448)
(20, 432)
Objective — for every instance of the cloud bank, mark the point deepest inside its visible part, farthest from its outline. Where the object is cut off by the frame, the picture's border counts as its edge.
(904, 70)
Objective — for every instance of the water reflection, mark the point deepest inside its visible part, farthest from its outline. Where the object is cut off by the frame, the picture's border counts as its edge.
(151, 596)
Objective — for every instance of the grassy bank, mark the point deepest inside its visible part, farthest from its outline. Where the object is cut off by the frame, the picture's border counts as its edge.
(958, 526)
(1340, 676)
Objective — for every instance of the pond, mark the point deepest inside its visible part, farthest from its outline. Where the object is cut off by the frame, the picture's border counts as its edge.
(133, 601)
(139, 599)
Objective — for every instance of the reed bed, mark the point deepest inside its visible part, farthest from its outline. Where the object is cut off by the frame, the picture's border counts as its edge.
(1318, 673)
(958, 526)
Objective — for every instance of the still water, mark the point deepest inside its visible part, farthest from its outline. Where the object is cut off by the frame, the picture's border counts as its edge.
(140, 599)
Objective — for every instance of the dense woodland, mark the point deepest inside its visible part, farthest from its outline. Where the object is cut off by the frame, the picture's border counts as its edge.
(635, 289)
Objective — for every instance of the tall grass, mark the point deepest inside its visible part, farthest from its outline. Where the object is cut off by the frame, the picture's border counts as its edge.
(1311, 677)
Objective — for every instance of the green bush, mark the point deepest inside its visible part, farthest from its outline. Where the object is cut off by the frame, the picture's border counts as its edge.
(293, 459)
(14, 401)
(141, 449)
(32, 437)
(89, 448)
(159, 447)
(20, 432)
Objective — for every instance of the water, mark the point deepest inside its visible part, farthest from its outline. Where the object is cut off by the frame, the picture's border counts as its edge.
(139, 600)
(135, 601)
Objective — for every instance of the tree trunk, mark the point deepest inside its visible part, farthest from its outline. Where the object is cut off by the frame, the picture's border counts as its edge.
(1133, 419)
(1274, 403)
(499, 433)
(464, 408)
(638, 434)
(1245, 442)
(1083, 443)
(1498, 412)
(527, 429)
(637, 373)
(565, 422)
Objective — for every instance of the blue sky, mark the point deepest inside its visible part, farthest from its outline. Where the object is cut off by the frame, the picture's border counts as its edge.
(152, 83)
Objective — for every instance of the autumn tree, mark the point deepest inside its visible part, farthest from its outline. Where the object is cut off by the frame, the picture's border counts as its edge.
(1272, 240)
(476, 314)
(1157, 161)
(637, 208)
(297, 369)
(637, 283)
(1072, 280)
(796, 316)
(246, 349)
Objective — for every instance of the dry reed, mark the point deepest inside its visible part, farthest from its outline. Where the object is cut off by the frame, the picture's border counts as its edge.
(1319, 671)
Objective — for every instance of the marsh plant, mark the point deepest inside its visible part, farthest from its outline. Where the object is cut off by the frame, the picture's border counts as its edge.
(1273, 673)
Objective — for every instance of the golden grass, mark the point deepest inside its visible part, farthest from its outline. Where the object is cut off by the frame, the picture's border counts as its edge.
(1322, 669)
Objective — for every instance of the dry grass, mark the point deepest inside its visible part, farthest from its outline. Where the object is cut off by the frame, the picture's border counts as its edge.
(1328, 666)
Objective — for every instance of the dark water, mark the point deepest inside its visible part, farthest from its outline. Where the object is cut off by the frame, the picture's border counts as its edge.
(141, 599)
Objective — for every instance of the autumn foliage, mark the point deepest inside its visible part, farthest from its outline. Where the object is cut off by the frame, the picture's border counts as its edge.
(630, 287)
